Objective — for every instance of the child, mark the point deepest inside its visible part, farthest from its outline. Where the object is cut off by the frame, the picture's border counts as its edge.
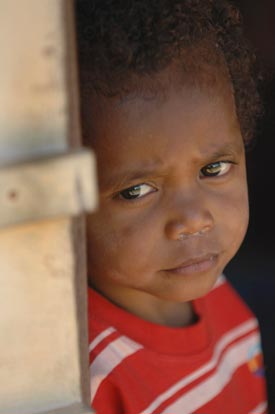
(168, 105)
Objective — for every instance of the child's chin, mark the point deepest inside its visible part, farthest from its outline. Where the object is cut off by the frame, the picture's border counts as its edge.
(192, 289)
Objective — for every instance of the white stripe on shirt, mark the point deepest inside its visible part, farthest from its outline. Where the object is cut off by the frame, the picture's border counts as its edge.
(260, 409)
(100, 337)
(109, 358)
(234, 357)
(229, 337)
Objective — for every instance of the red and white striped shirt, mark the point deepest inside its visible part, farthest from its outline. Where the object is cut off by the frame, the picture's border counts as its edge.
(211, 367)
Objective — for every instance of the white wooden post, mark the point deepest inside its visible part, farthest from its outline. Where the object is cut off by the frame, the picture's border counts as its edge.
(46, 184)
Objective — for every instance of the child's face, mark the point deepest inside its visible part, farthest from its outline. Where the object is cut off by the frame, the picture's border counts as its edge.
(173, 195)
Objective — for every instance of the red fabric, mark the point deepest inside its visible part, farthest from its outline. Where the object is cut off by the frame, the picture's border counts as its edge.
(214, 366)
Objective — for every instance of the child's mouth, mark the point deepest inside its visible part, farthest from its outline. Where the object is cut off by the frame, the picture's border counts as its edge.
(195, 265)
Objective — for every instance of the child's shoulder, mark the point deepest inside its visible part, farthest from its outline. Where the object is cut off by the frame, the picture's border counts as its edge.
(226, 309)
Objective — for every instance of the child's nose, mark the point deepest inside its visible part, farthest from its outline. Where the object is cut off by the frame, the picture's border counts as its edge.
(191, 219)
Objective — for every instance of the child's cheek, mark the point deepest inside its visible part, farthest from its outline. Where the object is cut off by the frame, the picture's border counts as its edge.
(237, 218)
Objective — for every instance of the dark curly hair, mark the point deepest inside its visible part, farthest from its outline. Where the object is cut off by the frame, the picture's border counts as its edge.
(124, 45)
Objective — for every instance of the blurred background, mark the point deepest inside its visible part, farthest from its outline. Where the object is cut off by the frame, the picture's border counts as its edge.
(252, 271)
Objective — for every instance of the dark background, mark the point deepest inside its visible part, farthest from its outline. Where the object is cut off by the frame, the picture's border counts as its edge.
(252, 271)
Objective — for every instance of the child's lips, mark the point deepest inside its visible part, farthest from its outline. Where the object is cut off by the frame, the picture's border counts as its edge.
(195, 265)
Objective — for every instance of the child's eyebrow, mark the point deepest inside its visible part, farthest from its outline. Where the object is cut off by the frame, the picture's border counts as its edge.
(125, 177)
(225, 151)
(228, 149)
(158, 168)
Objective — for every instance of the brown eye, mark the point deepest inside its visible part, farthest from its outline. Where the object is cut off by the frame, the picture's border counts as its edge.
(137, 191)
(216, 169)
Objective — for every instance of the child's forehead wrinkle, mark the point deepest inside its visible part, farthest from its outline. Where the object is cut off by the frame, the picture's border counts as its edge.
(165, 167)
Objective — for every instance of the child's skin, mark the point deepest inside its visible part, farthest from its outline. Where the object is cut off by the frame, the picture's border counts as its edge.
(173, 198)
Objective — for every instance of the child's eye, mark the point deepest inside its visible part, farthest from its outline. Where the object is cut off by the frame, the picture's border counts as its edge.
(216, 169)
(137, 191)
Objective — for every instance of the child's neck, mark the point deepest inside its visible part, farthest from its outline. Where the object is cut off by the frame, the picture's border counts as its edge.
(167, 313)
(151, 308)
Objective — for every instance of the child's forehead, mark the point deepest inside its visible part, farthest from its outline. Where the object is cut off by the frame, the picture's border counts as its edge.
(161, 97)
(117, 122)
(158, 140)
